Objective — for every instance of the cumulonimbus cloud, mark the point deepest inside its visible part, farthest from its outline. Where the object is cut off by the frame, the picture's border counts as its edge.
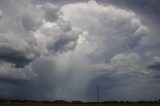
(56, 51)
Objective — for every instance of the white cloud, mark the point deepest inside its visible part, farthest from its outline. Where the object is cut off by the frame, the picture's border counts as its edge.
(125, 58)
(123, 63)
(111, 30)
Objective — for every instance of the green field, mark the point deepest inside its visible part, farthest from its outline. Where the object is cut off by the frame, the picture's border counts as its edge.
(113, 104)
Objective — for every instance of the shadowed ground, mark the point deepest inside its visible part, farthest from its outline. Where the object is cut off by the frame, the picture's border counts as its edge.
(113, 104)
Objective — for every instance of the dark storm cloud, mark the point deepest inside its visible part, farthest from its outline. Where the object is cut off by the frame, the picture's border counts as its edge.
(112, 88)
(29, 23)
(17, 58)
(27, 30)
(58, 46)
(155, 66)
(41, 87)
(103, 82)
(73, 40)
(148, 7)
(51, 12)
(61, 44)
(62, 2)
(12, 81)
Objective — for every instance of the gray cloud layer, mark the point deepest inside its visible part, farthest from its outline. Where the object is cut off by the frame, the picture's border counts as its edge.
(56, 50)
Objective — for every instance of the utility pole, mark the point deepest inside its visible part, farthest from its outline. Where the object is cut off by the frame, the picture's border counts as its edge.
(98, 96)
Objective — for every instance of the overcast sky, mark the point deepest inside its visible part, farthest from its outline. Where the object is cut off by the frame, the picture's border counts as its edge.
(64, 49)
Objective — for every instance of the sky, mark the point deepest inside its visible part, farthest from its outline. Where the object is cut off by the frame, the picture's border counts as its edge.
(65, 49)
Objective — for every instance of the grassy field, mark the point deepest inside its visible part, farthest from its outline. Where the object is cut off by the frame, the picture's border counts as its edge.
(114, 104)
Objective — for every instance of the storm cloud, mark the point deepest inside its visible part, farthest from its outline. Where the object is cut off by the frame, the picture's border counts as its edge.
(63, 50)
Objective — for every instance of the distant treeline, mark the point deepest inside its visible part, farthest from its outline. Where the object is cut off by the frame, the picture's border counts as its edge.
(72, 102)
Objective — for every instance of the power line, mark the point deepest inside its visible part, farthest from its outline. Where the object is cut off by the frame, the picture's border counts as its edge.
(98, 100)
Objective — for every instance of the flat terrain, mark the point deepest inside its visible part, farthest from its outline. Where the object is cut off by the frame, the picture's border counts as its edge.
(113, 104)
